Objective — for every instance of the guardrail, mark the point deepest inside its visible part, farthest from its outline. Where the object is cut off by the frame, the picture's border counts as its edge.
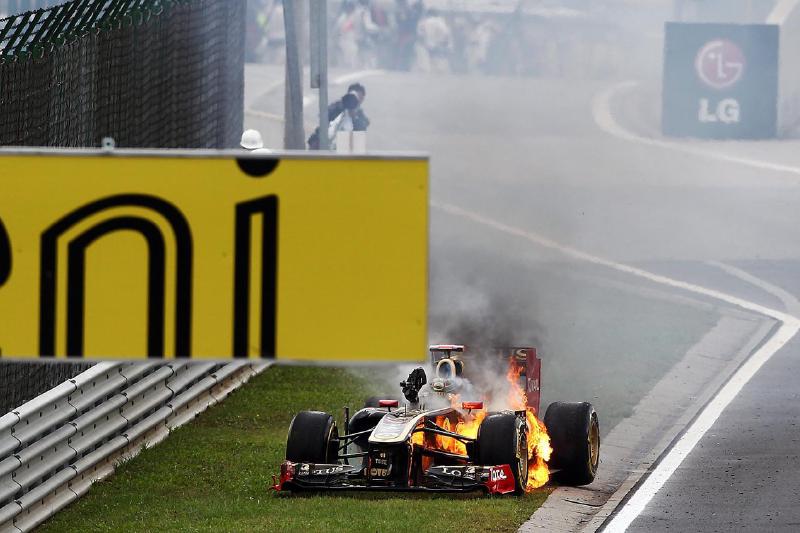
(54, 447)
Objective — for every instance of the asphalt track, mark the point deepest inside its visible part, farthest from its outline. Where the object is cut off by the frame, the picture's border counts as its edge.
(530, 155)
(742, 474)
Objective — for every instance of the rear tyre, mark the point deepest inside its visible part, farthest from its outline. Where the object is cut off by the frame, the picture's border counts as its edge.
(503, 440)
(313, 438)
(575, 437)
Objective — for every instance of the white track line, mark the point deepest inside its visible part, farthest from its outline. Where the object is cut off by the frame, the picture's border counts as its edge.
(604, 118)
(712, 411)
(791, 303)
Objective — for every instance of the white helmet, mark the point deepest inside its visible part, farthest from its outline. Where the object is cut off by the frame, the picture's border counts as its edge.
(251, 140)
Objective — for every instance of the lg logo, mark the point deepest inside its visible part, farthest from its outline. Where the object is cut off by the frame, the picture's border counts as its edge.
(727, 111)
(720, 64)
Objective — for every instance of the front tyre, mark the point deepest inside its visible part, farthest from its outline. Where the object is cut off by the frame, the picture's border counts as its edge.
(313, 438)
(503, 440)
(575, 437)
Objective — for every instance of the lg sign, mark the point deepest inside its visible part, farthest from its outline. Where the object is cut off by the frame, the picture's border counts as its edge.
(720, 80)
(720, 65)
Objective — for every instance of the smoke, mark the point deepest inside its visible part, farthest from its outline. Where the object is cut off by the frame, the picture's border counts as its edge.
(487, 320)
(475, 301)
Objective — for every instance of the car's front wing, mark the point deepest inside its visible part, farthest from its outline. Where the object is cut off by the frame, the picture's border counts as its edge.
(308, 476)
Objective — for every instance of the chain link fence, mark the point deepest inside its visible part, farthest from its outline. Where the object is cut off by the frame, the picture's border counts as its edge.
(23, 381)
(149, 73)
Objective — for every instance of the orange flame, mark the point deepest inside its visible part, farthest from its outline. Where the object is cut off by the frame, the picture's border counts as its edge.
(539, 449)
(418, 438)
(467, 427)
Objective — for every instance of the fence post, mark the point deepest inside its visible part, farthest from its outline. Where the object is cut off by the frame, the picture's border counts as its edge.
(293, 132)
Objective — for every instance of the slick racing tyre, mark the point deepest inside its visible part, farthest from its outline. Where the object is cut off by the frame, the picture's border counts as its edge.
(313, 438)
(575, 438)
(503, 440)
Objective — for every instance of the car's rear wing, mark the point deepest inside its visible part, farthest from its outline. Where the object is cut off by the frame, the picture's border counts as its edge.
(522, 360)
(526, 363)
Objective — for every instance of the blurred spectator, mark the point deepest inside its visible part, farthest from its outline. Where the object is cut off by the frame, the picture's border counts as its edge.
(266, 32)
(407, 18)
(531, 38)
(382, 37)
(275, 32)
(254, 34)
(462, 29)
(370, 35)
(355, 33)
(346, 35)
(478, 44)
(435, 43)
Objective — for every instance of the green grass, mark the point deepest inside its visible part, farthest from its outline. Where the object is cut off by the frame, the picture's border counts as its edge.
(598, 342)
(214, 475)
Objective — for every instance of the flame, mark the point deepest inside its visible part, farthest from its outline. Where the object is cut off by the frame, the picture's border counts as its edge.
(467, 427)
(418, 438)
(539, 449)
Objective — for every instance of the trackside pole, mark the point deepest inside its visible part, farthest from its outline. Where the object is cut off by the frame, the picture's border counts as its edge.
(293, 132)
(319, 65)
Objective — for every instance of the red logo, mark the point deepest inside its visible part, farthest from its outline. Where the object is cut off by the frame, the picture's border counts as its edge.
(720, 64)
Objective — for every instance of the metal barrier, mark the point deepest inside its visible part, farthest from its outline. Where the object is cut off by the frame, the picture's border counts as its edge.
(54, 447)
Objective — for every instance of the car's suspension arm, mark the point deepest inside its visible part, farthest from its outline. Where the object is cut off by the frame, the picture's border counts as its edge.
(430, 427)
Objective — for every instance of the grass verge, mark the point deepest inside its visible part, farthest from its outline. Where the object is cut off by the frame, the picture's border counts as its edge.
(214, 474)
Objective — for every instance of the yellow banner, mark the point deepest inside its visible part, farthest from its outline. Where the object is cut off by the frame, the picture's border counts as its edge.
(129, 256)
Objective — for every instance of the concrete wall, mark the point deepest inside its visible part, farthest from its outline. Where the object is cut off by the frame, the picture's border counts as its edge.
(787, 15)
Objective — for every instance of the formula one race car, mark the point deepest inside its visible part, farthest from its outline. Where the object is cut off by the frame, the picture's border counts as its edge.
(463, 431)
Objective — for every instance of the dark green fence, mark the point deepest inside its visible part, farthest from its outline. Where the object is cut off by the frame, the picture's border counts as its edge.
(149, 73)
(23, 381)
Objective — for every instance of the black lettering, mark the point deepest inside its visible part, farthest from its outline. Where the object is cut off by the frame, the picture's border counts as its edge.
(49, 269)
(268, 208)
(76, 284)
(5, 254)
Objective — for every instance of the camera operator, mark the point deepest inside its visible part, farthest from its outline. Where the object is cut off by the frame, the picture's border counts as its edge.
(345, 114)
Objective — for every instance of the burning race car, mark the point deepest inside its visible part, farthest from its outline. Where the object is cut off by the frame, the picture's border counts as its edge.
(463, 431)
